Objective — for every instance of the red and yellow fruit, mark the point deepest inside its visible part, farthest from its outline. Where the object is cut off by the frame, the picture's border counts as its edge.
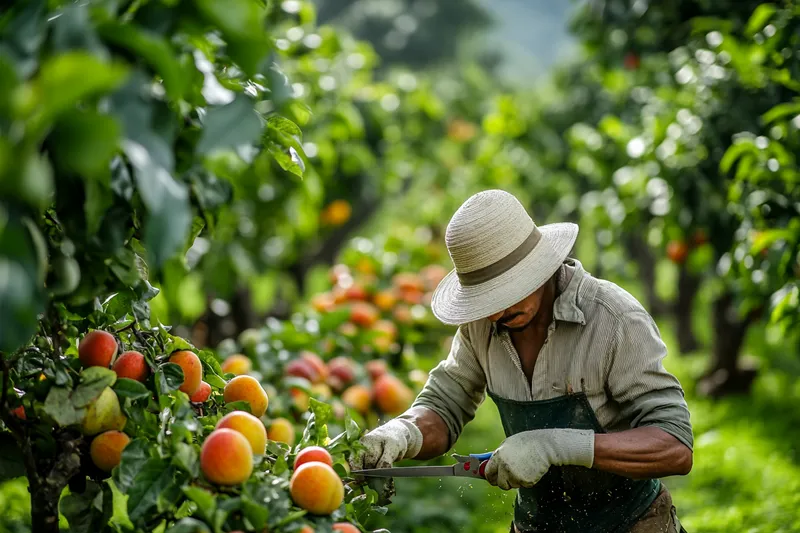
(345, 527)
(202, 394)
(281, 430)
(247, 389)
(192, 370)
(342, 368)
(392, 396)
(315, 362)
(131, 365)
(357, 397)
(104, 414)
(311, 454)
(316, 488)
(677, 251)
(323, 302)
(248, 425)
(384, 300)
(106, 449)
(226, 457)
(363, 314)
(376, 368)
(236, 364)
(97, 348)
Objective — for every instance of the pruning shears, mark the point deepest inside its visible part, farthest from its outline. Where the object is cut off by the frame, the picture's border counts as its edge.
(472, 465)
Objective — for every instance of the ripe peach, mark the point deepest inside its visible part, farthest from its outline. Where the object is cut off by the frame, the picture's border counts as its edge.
(323, 302)
(306, 529)
(432, 275)
(376, 368)
(345, 527)
(408, 281)
(385, 299)
(248, 389)
(392, 395)
(385, 328)
(336, 213)
(237, 364)
(316, 363)
(302, 369)
(249, 426)
(356, 292)
(357, 397)
(311, 454)
(106, 449)
(202, 394)
(19, 412)
(342, 368)
(348, 329)
(363, 314)
(402, 314)
(281, 430)
(226, 457)
(321, 391)
(300, 399)
(192, 370)
(677, 251)
(411, 296)
(131, 365)
(317, 488)
(97, 348)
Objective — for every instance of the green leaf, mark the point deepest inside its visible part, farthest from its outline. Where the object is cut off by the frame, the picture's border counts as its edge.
(155, 481)
(134, 457)
(66, 79)
(781, 111)
(316, 431)
(256, 514)
(185, 458)
(230, 126)
(285, 126)
(119, 516)
(206, 504)
(288, 159)
(93, 381)
(84, 143)
(188, 525)
(759, 18)
(170, 377)
(85, 511)
(242, 23)
(167, 201)
(98, 201)
(21, 294)
(24, 31)
(151, 48)
(130, 388)
(734, 152)
(59, 407)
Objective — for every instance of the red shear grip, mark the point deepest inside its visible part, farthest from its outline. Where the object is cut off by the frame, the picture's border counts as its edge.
(482, 469)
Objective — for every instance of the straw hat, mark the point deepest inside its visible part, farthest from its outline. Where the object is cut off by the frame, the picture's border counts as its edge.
(500, 256)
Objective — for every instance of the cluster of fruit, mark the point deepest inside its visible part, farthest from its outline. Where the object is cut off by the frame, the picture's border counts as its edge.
(104, 416)
(369, 298)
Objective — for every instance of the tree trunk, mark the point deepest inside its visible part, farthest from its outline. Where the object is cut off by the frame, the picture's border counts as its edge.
(688, 285)
(638, 250)
(726, 376)
(49, 478)
(242, 309)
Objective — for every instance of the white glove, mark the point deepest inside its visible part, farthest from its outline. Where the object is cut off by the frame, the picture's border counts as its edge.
(395, 440)
(522, 459)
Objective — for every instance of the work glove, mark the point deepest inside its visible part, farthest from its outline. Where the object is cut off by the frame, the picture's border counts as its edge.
(395, 440)
(522, 459)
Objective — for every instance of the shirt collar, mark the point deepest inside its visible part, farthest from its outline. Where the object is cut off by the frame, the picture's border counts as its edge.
(568, 281)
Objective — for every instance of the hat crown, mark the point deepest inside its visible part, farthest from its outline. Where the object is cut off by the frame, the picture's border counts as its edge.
(486, 228)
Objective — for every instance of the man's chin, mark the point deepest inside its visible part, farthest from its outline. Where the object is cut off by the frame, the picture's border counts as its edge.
(516, 329)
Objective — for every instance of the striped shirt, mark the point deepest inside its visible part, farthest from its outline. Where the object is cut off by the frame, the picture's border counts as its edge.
(601, 342)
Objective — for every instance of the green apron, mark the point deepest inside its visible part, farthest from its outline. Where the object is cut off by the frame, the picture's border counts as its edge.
(572, 499)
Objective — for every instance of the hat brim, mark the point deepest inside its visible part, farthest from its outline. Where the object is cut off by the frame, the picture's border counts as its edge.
(454, 304)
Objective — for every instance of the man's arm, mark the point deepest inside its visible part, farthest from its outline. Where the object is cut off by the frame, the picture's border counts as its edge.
(452, 394)
(641, 453)
(660, 443)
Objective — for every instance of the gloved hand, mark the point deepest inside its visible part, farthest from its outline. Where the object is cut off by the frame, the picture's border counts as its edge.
(522, 459)
(395, 440)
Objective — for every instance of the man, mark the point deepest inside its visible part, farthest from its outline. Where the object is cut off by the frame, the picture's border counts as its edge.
(574, 365)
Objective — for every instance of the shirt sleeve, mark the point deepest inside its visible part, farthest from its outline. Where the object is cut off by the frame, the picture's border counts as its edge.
(456, 386)
(637, 380)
